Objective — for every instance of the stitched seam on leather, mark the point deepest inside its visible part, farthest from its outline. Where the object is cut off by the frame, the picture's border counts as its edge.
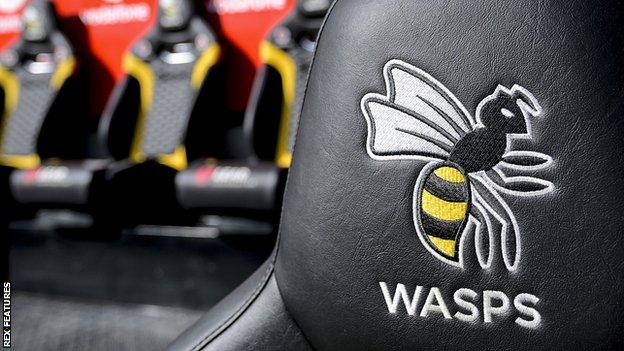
(239, 311)
(293, 320)
(305, 92)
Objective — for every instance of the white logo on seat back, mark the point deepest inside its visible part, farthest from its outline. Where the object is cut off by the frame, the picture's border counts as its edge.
(489, 306)
(469, 162)
(469, 165)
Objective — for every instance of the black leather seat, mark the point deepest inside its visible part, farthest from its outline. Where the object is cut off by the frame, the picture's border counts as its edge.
(254, 184)
(170, 74)
(456, 184)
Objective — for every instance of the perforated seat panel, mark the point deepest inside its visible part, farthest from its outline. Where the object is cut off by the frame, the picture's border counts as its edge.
(172, 104)
(23, 126)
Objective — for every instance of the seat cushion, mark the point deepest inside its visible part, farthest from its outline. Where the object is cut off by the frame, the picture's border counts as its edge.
(230, 185)
(57, 184)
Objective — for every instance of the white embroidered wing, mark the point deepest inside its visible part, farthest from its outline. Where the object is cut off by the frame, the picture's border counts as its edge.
(419, 118)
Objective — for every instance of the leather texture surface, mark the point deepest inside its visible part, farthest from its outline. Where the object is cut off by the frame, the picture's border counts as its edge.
(265, 325)
(347, 221)
(253, 317)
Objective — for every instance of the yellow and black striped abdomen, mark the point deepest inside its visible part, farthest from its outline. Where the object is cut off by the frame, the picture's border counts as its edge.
(444, 202)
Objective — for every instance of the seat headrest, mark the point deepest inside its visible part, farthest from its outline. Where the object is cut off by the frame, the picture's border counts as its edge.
(174, 15)
(313, 8)
(38, 21)
(457, 178)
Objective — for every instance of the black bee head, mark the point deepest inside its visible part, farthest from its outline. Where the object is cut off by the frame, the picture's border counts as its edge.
(508, 110)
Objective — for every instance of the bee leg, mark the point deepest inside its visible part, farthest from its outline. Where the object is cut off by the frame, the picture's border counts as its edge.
(468, 260)
(483, 235)
(494, 204)
(496, 178)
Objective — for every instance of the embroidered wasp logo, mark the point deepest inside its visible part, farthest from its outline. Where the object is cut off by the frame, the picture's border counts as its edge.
(470, 161)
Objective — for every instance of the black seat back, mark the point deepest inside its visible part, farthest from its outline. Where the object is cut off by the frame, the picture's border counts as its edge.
(456, 184)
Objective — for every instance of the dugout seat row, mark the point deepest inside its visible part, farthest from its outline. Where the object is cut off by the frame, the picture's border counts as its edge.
(142, 133)
(156, 123)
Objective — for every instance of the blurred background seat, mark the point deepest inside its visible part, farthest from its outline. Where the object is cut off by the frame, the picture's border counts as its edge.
(40, 95)
(43, 96)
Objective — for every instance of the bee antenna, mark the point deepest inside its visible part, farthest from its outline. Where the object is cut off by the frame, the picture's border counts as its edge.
(526, 101)
(501, 90)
